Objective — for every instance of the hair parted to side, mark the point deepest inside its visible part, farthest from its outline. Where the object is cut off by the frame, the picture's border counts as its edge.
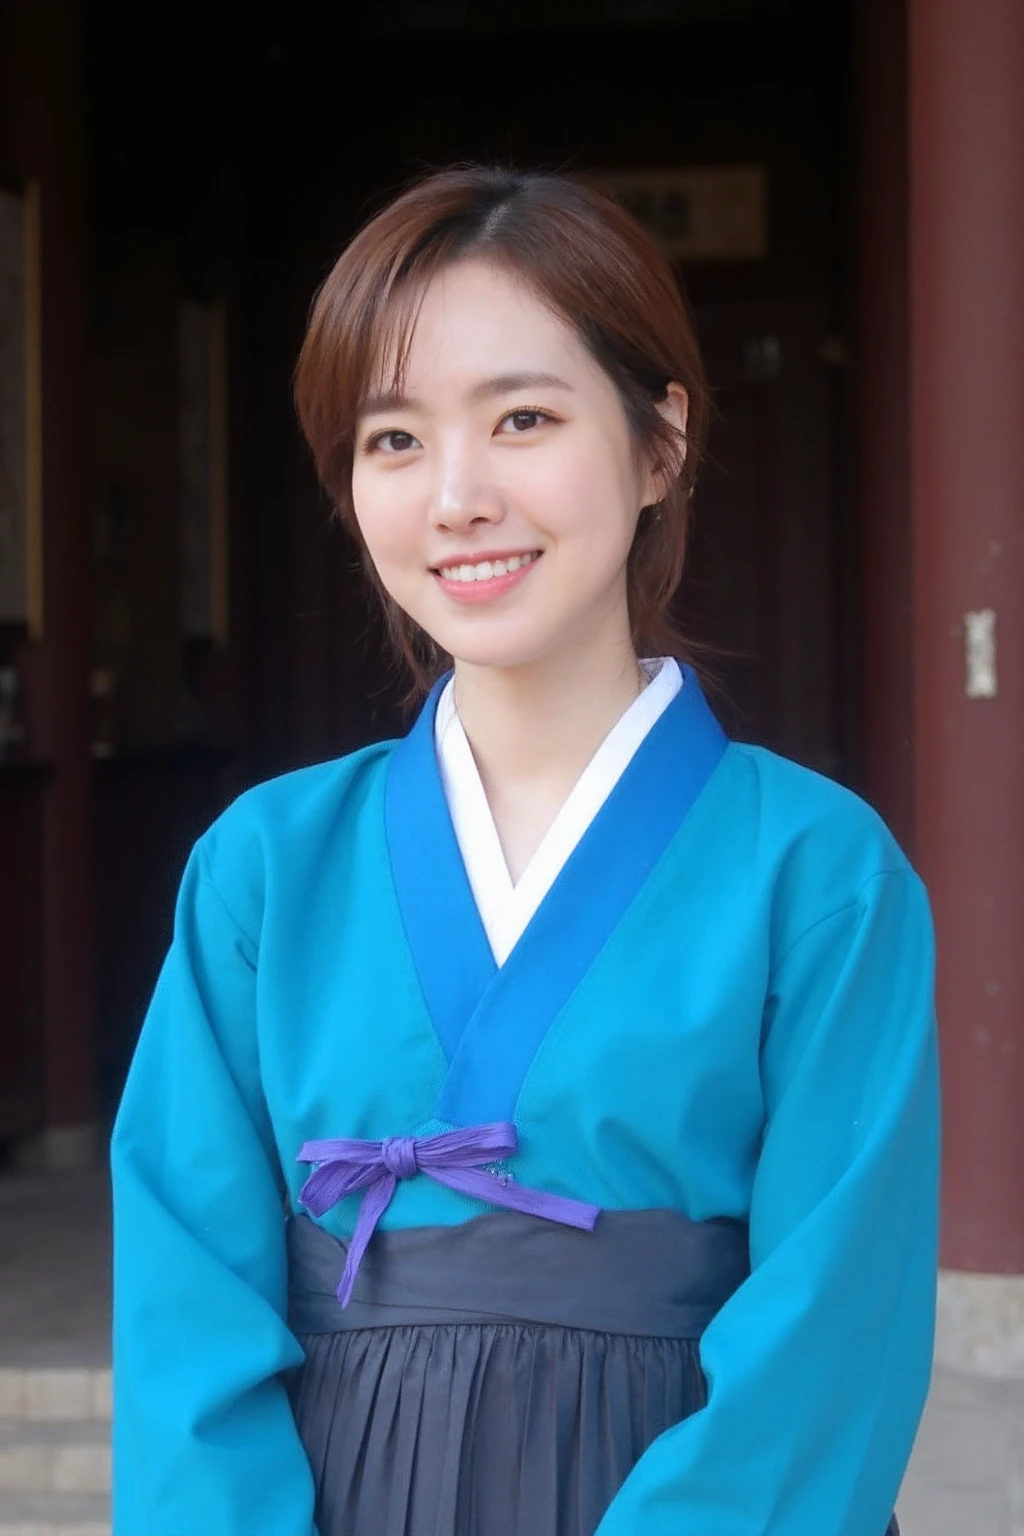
(595, 267)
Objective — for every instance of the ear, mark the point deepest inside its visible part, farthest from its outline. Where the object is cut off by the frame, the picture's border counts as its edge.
(675, 409)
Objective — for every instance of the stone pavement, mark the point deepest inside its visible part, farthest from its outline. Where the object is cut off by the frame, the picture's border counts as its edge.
(54, 1269)
(966, 1477)
(54, 1355)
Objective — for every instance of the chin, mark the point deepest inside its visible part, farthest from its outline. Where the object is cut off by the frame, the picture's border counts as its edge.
(501, 656)
(501, 646)
(495, 658)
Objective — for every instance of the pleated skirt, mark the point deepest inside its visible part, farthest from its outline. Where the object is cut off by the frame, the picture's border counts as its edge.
(502, 1377)
(499, 1378)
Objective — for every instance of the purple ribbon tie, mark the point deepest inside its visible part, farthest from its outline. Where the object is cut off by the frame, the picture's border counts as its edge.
(456, 1159)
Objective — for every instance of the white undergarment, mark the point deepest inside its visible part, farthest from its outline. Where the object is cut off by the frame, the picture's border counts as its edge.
(505, 907)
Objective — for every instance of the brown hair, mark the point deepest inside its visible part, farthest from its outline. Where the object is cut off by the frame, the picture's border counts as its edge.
(594, 266)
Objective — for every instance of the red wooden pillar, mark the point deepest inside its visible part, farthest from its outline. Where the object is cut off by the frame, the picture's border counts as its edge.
(966, 65)
(883, 413)
(45, 127)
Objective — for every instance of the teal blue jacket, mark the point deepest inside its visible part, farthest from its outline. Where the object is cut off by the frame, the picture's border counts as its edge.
(724, 1007)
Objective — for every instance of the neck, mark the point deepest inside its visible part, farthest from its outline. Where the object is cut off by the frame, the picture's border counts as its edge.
(534, 729)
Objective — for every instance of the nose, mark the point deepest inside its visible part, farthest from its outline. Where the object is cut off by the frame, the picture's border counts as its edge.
(462, 494)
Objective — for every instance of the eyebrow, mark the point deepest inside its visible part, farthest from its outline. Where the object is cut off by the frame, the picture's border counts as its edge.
(487, 389)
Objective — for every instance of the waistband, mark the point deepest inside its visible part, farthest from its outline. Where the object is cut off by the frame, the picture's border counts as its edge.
(652, 1273)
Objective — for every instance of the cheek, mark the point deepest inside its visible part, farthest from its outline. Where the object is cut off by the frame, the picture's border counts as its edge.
(591, 492)
(385, 517)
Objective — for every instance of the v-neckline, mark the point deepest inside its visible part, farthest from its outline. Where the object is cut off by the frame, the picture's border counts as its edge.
(491, 1021)
(506, 906)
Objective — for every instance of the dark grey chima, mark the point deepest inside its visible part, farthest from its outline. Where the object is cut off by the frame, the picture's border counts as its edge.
(502, 1377)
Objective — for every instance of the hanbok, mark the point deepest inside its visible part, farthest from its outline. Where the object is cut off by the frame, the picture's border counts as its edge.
(613, 1212)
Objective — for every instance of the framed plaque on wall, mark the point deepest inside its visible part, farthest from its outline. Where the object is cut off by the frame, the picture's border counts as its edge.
(698, 213)
(21, 423)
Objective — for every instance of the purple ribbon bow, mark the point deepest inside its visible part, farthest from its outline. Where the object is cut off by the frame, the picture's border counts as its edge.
(454, 1159)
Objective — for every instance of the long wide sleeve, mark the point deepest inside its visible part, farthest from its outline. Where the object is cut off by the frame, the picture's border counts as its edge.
(818, 1366)
(204, 1439)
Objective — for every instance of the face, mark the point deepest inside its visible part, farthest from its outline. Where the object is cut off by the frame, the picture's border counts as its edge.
(499, 495)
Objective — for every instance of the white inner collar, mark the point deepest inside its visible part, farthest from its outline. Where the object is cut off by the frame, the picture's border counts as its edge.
(506, 908)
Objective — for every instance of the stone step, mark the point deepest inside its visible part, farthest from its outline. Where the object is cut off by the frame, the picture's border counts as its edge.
(54, 1514)
(51, 1457)
(42, 1394)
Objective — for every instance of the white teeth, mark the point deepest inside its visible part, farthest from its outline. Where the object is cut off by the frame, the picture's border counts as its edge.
(487, 569)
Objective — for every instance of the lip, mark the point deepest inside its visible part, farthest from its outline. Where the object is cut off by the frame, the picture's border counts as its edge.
(485, 591)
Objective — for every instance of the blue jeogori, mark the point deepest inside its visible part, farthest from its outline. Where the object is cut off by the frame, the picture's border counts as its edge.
(735, 1025)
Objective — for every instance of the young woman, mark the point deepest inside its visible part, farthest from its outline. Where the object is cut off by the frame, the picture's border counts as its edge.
(533, 1132)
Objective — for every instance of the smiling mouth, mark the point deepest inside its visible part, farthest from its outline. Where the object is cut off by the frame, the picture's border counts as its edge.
(486, 570)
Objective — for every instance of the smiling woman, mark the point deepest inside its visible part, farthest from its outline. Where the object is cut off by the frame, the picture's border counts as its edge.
(533, 1132)
(611, 317)
(535, 464)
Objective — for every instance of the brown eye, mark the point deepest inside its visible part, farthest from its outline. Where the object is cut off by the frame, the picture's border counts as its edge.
(518, 422)
(390, 442)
